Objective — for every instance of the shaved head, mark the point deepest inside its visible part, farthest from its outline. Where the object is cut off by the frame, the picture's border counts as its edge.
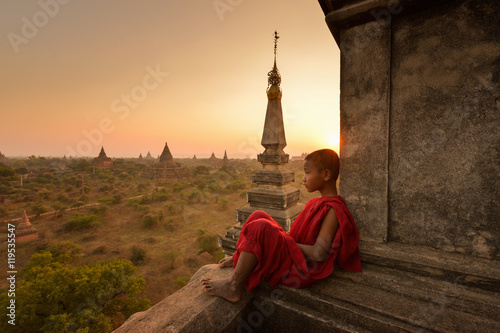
(325, 159)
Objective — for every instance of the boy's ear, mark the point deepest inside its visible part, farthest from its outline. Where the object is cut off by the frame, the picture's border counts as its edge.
(327, 174)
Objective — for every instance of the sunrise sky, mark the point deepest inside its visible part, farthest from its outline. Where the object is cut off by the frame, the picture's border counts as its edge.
(132, 75)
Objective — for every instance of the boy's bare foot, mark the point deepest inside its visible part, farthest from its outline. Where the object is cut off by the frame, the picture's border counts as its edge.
(223, 288)
(226, 262)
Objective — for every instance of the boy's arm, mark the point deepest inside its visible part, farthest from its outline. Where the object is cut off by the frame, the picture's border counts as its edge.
(329, 227)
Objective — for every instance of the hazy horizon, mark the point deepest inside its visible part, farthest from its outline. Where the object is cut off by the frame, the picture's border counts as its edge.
(131, 76)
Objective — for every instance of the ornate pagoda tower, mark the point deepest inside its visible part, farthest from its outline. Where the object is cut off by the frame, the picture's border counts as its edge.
(274, 193)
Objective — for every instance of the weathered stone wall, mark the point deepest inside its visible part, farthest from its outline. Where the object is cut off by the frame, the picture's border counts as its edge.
(444, 128)
(419, 121)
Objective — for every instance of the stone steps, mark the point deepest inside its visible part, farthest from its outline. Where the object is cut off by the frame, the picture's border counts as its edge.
(437, 294)
(314, 321)
(467, 299)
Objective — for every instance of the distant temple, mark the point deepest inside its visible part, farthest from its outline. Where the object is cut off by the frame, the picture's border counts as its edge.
(166, 168)
(149, 157)
(25, 231)
(225, 160)
(299, 158)
(141, 159)
(2, 157)
(194, 158)
(102, 161)
(214, 161)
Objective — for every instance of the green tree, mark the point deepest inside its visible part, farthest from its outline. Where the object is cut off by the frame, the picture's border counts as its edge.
(5, 171)
(54, 296)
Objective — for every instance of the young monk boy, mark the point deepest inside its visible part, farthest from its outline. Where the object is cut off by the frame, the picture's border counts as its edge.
(322, 235)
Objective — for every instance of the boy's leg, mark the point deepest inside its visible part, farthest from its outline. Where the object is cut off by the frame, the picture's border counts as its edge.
(232, 287)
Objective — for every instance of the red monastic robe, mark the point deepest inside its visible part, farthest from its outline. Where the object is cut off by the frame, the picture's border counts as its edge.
(281, 261)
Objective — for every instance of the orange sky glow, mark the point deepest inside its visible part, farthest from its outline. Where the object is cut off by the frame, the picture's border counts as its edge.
(132, 75)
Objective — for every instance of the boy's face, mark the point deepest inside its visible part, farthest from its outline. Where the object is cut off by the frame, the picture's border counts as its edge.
(314, 176)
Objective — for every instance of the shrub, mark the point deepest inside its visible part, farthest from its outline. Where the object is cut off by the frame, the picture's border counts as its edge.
(234, 186)
(141, 187)
(8, 172)
(170, 225)
(100, 250)
(107, 200)
(219, 254)
(179, 187)
(38, 209)
(105, 188)
(194, 196)
(224, 203)
(77, 205)
(145, 199)
(143, 209)
(41, 180)
(170, 258)
(134, 202)
(62, 197)
(170, 208)
(150, 221)
(182, 281)
(201, 170)
(118, 198)
(99, 210)
(137, 255)
(213, 187)
(207, 243)
(158, 196)
(58, 208)
(80, 222)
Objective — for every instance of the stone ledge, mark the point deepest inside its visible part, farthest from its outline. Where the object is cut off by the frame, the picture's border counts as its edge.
(353, 13)
(189, 309)
(448, 266)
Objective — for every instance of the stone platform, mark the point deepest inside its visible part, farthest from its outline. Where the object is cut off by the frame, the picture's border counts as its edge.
(401, 289)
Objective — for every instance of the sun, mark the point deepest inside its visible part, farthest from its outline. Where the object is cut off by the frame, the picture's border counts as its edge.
(333, 142)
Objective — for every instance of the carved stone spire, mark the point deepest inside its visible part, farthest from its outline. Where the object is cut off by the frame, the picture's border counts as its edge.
(273, 137)
(273, 192)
